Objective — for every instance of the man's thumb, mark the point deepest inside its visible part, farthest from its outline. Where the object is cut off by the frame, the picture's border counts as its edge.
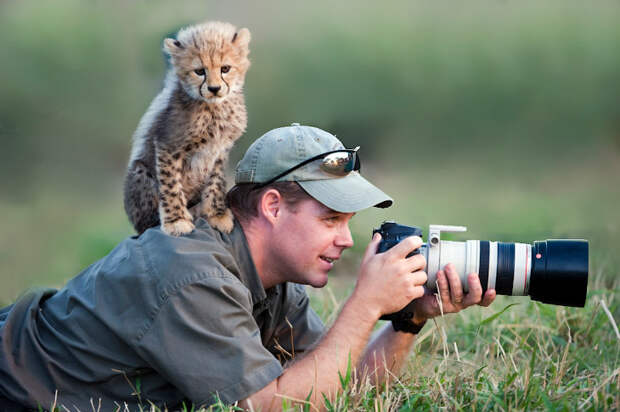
(372, 247)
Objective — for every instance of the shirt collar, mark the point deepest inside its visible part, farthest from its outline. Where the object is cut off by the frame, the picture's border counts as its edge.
(247, 271)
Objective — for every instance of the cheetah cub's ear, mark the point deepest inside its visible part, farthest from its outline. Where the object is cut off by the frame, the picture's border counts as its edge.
(242, 39)
(173, 47)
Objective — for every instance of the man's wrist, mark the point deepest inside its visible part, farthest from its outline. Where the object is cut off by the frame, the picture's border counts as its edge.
(362, 305)
(364, 311)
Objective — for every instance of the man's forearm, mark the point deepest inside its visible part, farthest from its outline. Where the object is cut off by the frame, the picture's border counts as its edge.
(387, 350)
(318, 370)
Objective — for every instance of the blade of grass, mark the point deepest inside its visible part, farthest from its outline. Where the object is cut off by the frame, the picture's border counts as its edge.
(496, 315)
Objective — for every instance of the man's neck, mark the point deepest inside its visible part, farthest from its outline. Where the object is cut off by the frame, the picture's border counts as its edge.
(255, 234)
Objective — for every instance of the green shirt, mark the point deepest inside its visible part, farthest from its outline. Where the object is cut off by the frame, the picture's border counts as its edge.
(160, 319)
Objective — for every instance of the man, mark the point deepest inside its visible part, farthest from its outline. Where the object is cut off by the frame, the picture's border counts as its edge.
(212, 316)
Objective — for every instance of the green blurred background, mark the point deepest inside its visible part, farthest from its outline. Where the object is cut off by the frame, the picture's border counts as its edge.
(503, 116)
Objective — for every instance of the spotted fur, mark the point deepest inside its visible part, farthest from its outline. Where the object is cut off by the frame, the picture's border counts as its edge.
(181, 146)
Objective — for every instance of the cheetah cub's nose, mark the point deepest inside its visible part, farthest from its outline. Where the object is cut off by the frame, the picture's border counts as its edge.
(214, 89)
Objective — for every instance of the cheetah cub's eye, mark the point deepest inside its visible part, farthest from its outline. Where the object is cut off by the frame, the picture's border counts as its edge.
(225, 69)
(200, 72)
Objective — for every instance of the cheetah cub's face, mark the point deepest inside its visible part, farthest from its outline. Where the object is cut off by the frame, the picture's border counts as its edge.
(210, 60)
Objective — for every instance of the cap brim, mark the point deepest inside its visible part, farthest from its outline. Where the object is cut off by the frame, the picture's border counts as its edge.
(348, 194)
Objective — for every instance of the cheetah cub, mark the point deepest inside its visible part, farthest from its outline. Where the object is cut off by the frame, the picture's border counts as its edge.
(181, 145)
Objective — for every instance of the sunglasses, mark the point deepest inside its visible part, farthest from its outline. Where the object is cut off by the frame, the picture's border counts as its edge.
(337, 162)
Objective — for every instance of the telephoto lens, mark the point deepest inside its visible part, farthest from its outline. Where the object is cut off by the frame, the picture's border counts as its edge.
(551, 271)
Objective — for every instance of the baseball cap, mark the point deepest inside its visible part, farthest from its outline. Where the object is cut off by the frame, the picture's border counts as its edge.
(283, 148)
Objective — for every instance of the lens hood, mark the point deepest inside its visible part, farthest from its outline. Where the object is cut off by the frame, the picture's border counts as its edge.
(560, 272)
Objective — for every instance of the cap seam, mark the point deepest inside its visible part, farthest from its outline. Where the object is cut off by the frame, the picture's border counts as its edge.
(255, 160)
(300, 148)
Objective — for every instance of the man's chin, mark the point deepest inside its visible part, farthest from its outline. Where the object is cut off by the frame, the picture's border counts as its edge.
(319, 281)
(321, 284)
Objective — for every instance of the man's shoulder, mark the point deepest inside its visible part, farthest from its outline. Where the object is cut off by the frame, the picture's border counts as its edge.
(149, 268)
(203, 251)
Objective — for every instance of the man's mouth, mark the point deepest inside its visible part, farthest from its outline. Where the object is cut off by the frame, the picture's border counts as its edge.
(328, 259)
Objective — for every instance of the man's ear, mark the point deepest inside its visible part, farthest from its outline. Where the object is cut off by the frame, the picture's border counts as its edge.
(270, 205)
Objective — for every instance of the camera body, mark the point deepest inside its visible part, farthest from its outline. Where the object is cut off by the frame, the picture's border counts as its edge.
(551, 271)
(392, 233)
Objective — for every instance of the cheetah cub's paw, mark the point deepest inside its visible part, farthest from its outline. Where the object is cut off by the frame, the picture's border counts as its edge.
(222, 222)
(178, 228)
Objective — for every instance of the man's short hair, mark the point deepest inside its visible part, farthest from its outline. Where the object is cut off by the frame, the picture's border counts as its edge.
(243, 198)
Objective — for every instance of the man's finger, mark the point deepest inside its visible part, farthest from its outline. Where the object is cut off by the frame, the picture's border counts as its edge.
(419, 278)
(416, 262)
(372, 247)
(456, 288)
(488, 297)
(406, 246)
(444, 289)
(475, 290)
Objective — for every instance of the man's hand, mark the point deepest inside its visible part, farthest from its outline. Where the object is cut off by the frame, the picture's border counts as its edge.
(453, 299)
(389, 280)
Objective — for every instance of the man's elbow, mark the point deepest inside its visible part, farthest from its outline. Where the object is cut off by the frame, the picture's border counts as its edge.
(264, 400)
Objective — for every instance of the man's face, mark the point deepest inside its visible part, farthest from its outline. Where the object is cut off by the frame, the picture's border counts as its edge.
(308, 239)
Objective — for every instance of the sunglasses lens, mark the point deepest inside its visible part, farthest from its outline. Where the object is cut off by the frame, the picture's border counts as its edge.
(340, 163)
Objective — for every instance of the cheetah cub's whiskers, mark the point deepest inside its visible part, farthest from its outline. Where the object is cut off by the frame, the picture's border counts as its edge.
(181, 146)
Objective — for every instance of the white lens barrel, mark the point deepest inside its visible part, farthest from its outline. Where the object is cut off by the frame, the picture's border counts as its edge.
(505, 267)
(492, 267)
(473, 262)
(455, 253)
(523, 267)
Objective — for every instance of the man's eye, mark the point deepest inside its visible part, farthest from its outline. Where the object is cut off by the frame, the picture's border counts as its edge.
(225, 69)
(200, 72)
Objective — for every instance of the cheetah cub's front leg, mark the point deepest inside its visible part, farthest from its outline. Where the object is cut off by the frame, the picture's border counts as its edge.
(173, 214)
(213, 205)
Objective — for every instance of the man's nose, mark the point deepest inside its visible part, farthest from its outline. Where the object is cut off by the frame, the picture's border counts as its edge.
(214, 89)
(344, 238)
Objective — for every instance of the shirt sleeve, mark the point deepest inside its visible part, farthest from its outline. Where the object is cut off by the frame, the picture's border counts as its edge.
(205, 341)
(300, 328)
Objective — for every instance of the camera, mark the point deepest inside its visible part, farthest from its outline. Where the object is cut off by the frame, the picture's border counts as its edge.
(551, 271)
